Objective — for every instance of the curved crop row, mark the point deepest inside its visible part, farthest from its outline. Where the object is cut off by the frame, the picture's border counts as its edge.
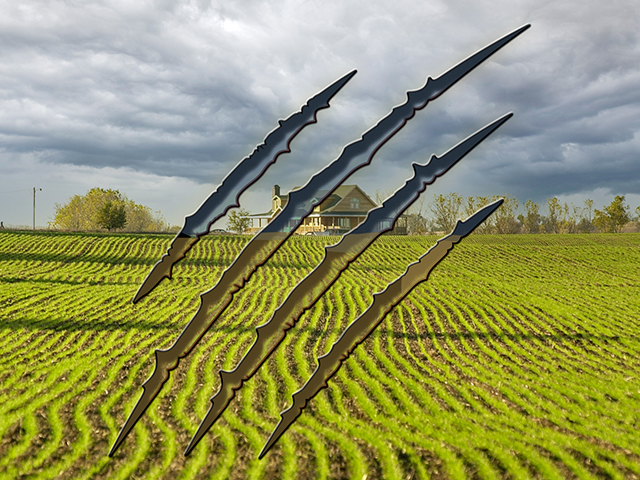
(518, 358)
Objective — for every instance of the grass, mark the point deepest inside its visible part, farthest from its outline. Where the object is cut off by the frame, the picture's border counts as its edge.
(519, 358)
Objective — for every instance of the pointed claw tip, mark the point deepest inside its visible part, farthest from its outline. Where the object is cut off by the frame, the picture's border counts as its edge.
(115, 447)
(121, 436)
(348, 76)
(141, 293)
(523, 28)
(336, 86)
(275, 436)
(144, 289)
(194, 441)
(204, 427)
(499, 122)
(265, 449)
(189, 449)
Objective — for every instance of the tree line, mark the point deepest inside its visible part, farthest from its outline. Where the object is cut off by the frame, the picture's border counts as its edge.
(109, 210)
(441, 214)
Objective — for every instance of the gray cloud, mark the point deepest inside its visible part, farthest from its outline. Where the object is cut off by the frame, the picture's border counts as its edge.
(184, 90)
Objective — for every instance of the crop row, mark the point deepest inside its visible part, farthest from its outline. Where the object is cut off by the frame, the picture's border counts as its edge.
(518, 358)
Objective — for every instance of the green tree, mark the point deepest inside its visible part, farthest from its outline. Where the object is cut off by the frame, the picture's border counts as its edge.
(238, 221)
(141, 218)
(505, 216)
(551, 223)
(601, 221)
(618, 212)
(111, 216)
(613, 217)
(585, 225)
(445, 209)
(532, 218)
(568, 219)
(82, 212)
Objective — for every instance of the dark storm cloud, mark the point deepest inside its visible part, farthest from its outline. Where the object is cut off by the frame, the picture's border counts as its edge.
(187, 89)
(577, 106)
(103, 88)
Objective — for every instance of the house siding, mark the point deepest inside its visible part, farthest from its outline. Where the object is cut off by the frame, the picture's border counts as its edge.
(334, 215)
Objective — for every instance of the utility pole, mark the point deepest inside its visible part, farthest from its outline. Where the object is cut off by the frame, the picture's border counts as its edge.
(34, 207)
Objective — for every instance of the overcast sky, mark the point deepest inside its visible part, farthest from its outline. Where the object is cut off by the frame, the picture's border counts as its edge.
(161, 99)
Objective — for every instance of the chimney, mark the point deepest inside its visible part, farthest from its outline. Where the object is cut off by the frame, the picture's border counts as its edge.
(275, 191)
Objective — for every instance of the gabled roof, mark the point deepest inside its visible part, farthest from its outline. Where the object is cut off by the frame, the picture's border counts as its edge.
(338, 194)
(330, 203)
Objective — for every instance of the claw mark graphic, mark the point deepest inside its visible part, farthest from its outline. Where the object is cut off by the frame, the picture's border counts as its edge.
(362, 327)
(354, 156)
(336, 260)
(245, 174)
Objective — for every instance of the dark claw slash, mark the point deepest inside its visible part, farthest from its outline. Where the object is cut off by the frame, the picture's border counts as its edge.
(366, 323)
(178, 249)
(302, 201)
(244, 174)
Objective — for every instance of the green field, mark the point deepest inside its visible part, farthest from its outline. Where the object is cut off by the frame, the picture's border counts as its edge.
(519, 358)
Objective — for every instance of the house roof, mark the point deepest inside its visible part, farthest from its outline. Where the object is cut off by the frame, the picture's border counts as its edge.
(331, 202)
(338, 194)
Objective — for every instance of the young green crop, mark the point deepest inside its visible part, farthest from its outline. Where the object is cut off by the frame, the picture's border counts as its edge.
(518, 358)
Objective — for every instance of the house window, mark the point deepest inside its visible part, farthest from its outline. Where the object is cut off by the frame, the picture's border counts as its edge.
(344, 222)
(355, 203)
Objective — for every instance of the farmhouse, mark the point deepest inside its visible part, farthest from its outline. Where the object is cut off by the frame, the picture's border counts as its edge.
(341, 211)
